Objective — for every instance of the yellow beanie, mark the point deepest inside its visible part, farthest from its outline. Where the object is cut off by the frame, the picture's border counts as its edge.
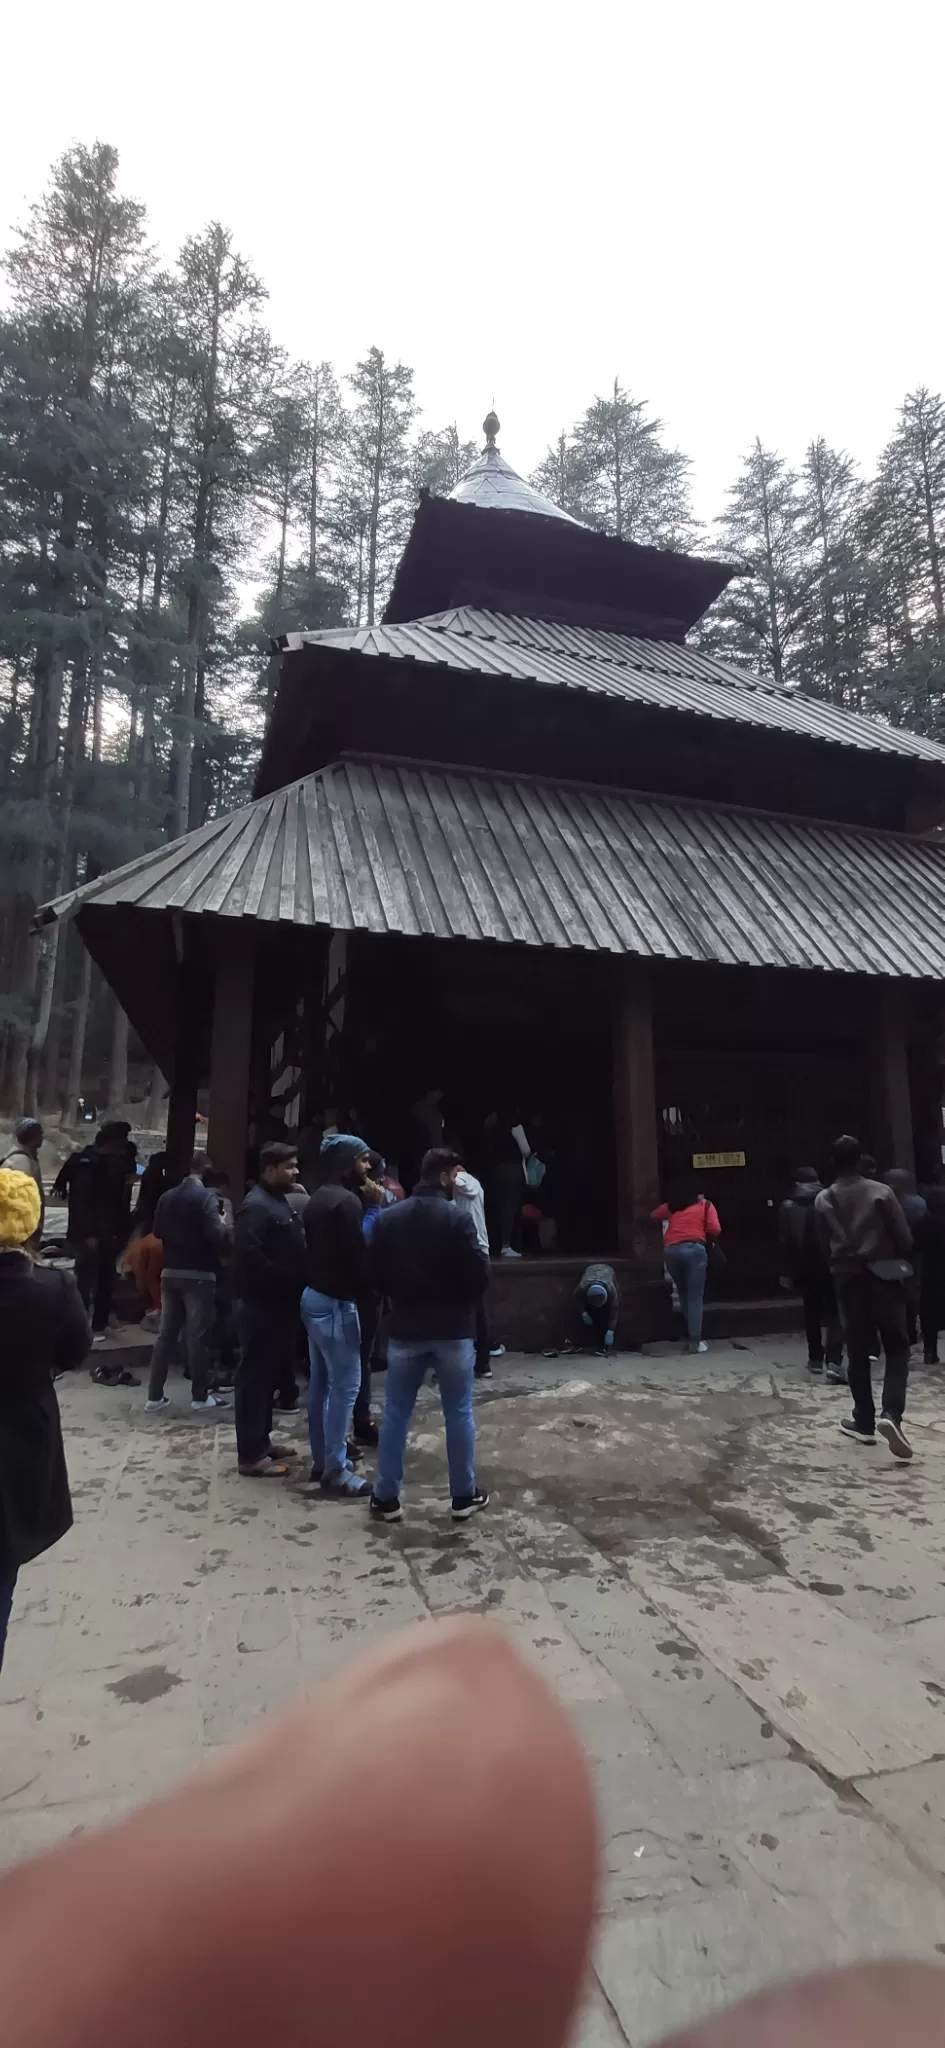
(19, 1208)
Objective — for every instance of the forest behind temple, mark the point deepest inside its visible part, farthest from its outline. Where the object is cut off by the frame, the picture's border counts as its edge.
(175, 490)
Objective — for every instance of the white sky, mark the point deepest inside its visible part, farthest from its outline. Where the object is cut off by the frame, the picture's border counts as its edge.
(736, 206)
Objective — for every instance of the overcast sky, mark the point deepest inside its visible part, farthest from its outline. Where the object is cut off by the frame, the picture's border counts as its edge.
(736, 207)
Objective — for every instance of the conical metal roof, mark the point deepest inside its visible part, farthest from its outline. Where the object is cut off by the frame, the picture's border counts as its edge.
(494, 484)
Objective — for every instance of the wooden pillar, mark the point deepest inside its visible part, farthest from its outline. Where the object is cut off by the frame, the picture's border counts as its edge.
(231, 1041)
(635, 1113)
(891, 1100)
(182, 1104)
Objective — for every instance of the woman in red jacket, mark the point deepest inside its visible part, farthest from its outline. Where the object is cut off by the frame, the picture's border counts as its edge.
(690, 1221)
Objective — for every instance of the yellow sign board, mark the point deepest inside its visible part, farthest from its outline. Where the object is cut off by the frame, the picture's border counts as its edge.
(707, 1159)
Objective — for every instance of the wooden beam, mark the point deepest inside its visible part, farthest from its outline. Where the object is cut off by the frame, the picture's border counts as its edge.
(186, 1077)
(230, 1052)
(635, 1114)
(891, 1100)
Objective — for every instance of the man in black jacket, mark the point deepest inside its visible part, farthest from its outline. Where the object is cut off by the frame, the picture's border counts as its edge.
(867, 1241)
(189, 1222)
(803, 1265)
(336, 1279)
(425, 1256)
(268, 1278)
(97, 1182)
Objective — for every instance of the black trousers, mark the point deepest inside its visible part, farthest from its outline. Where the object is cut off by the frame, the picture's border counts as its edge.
(95, 1280)
(267, 1333)
(867, 1305)
(368, 1311)
(821, 1317)
(931, 1298)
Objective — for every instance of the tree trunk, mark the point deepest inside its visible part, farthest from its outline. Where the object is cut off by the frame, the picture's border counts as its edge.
(154, 1108)
(935, 560)
(378, 472)
(49, 1090)
(80, 1025)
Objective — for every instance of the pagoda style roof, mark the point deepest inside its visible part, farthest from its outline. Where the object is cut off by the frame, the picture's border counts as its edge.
(672, 677)
(493, 483)
(385, 847)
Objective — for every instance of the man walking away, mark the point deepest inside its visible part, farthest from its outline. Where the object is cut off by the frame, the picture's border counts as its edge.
(866, 1241)
(804, 1266)
(268, 1278)
(424, 1254)
(24, 1158)
(469, 1195)
(336, 1270)
(189, 1223)
(597, 1303)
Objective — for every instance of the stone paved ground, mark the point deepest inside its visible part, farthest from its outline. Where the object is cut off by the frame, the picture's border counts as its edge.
(744, 1614)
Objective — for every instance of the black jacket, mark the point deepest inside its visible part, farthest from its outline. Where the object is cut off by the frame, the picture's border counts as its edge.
(425, 1256)
(269, 1254)
(189, 1222)
(43, 1327)
(337, 1254)
(801, 1252)
(98, 1187)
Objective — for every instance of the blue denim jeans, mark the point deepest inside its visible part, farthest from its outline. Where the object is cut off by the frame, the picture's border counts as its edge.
(452, 1360)
(686, 1265)
(7, 1588)
(334, 1349)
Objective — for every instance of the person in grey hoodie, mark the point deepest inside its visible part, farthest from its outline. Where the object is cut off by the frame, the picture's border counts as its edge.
(24, 1158)
(867, 1244)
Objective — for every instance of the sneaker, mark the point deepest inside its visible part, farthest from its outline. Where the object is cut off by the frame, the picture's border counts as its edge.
(154, 1407)
(694, 1348)
(212, 1401)
(508, 1253)
(368, 1434)
(892, 1434)
(386, 1510)
(497, 1351)
(815, 1365)
(348, 1487)
(835, 1375)
(100, 1337)
(466, 1504)
(483, 1372)
(287, 1407)
(151, 1320)
(851, 1428)
(930, 1358)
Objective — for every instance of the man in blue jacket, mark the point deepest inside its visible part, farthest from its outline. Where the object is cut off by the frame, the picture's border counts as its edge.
(189, 1222)
(424, 1255)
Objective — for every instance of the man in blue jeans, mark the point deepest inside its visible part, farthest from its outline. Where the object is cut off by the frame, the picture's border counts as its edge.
(335, 1264)
(424, 1255)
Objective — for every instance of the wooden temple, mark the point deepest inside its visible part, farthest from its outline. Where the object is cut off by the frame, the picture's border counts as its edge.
(523, 841)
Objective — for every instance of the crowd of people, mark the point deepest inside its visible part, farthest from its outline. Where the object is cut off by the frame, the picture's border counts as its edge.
(362, 1275)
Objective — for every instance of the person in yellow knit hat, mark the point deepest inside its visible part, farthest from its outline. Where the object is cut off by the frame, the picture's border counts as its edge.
(43, 1329)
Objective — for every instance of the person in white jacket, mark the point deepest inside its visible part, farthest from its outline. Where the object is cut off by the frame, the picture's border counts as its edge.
(468, 1193)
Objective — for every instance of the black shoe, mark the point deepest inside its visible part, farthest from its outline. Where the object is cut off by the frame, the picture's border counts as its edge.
(386, 1510)
(835, 1375)
(815, 1365)
(466, 1504)
(287, 1407)
(892, 1434)
(367, 1434)
(930, 1358)
(851, 1428)
(484, 1372)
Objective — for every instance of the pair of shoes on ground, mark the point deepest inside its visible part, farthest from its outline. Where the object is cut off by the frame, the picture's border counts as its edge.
(214, 1400)
(891, 1432)
(113, 1376)
(833, 1374)
(463, 1507)
(272, 1465)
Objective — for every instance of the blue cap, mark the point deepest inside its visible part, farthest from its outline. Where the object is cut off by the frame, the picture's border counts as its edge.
(597, 1294)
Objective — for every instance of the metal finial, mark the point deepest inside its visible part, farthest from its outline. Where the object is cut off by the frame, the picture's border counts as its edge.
(490, 427)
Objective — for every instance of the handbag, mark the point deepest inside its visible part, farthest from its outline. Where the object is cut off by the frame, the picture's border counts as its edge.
(890, 1269)
(715, 1257)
